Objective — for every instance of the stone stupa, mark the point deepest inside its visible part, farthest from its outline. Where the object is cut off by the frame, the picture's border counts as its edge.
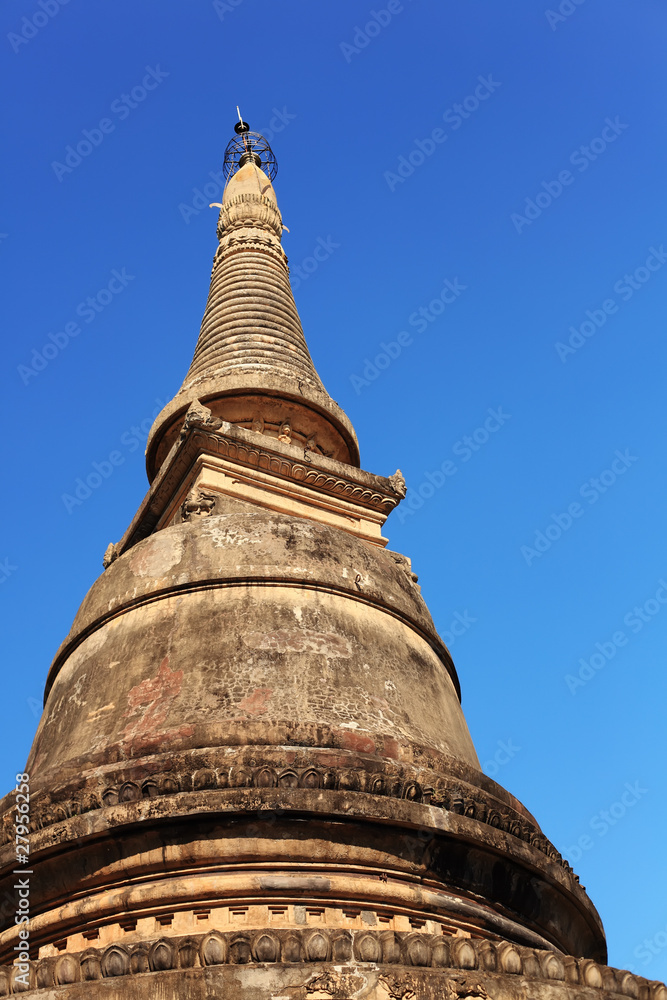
(253, 778)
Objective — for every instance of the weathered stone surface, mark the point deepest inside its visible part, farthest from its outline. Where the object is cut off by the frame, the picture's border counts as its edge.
(253, 777)
(272, 964)
(235, 622)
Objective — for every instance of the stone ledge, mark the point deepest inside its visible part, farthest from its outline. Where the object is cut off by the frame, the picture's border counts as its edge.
(452, 796)
(354, 949)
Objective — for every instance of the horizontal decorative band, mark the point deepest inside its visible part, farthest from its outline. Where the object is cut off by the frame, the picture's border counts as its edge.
(443, 954)
(451, 796)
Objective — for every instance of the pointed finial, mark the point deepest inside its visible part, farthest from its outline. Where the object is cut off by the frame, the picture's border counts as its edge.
(241, 127)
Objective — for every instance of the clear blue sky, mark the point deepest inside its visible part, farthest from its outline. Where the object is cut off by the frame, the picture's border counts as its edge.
(540, 199)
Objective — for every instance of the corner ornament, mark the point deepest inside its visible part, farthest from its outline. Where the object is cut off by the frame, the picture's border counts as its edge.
(198, 503)
(110, 555)
(199, 415)
(398, 484)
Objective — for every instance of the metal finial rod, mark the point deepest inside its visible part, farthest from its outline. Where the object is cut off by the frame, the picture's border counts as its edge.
(241, 127)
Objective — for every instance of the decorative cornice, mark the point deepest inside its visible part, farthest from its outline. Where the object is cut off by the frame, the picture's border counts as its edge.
(202, 432)
(236, 243)
(250, 211)
(443, 954)
(450, 795)
(286, 468)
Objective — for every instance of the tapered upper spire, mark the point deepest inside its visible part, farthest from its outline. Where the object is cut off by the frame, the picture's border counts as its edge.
(251, 365)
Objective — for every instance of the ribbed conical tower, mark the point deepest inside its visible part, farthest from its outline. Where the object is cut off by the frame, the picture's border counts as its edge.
(253, 777)
(251, 364)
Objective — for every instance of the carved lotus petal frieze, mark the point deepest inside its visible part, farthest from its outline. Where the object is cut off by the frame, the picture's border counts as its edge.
(467, 801)
(462, 960)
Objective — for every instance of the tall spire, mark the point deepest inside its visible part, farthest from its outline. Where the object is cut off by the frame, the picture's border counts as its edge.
(251, 365)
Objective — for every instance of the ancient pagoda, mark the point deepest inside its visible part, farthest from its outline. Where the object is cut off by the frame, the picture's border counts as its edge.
(253, 779)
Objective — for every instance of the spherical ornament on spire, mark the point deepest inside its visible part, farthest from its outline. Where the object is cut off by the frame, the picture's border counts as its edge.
(249, 147)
